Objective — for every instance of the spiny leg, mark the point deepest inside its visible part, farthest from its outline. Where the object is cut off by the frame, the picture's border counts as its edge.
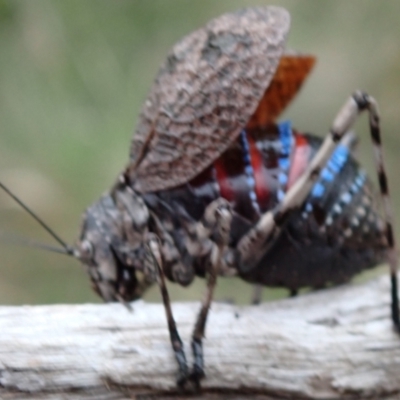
(365, 101)
(257, 241)
(216, 226)
(154, 262)
(197, 372)
(262, 236)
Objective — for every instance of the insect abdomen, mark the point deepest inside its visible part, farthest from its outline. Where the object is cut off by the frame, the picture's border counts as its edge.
(337, 232)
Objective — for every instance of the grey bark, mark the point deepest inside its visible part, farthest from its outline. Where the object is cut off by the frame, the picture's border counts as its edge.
(333, 344)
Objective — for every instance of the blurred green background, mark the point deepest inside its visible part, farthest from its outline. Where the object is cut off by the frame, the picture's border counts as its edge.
(73, 75)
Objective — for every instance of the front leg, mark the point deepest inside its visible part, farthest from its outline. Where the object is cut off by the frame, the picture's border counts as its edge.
(153, 266)
(214, 229)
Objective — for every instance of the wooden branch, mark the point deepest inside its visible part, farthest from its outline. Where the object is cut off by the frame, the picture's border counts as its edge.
(334, 344)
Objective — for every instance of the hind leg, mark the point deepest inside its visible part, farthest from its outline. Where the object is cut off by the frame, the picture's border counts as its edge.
(262, 236)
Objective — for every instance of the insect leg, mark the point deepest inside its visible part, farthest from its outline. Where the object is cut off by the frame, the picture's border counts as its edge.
(155, 263)
(369, 103)
(216, 226)
(262, 236)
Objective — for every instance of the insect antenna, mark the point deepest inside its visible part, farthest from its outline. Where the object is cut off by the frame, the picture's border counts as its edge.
(21, 241)
(66, 248)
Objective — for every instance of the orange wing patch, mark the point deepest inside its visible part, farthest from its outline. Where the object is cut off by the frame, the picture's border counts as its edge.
(290, 75)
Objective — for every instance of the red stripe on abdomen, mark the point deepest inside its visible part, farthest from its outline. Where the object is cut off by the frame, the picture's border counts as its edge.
(301, 154)
(223, 180)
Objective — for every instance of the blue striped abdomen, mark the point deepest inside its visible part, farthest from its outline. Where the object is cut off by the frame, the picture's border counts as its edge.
(336, 233)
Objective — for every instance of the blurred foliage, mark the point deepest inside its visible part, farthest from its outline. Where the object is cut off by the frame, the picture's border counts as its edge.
(73, 75)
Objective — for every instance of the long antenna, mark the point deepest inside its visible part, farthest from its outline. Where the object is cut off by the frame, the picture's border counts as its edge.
(50, 231)
(21, 241)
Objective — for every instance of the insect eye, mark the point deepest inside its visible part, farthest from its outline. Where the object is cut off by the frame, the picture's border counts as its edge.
(86, 249)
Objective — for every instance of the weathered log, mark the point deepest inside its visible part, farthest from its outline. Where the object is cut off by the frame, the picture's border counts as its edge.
(332, 344)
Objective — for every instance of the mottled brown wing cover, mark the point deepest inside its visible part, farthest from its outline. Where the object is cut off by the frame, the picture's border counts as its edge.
(291, 72)
(204, 94)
